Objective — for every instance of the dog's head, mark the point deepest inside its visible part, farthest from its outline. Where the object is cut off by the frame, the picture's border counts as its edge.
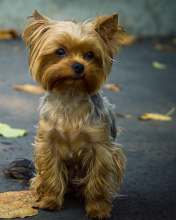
(68, 55)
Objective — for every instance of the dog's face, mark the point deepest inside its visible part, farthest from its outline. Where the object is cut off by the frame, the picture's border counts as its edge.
(67, 55)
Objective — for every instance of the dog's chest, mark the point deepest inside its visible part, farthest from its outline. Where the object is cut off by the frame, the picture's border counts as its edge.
(70, 133)
(72, 125)
(70, 141)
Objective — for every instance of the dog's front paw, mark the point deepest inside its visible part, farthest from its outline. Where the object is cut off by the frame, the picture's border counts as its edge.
(99, 210)
(48, 204)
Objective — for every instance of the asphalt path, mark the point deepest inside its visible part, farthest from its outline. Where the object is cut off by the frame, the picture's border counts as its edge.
(148, 190)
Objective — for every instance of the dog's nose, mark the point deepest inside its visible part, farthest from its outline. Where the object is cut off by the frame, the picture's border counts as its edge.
(78, 68)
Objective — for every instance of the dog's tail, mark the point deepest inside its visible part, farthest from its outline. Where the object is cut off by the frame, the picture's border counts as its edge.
(21, 169)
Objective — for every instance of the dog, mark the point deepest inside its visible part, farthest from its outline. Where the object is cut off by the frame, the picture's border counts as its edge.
(75, 142)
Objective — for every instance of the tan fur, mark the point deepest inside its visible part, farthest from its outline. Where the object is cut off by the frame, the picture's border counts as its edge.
(74, 147)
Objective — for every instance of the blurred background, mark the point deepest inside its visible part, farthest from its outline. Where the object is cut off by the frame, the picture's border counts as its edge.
(139, 17)
(142, 80)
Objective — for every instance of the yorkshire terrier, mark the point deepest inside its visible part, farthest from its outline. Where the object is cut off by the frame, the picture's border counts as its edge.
(75, 139)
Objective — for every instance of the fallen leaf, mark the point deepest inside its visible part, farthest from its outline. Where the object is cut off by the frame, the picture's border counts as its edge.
(174, 40)
(29, 88)
(8, 34)
(171, 111)
(16, 48)
(17, 204)
(122, 115)
(165, 47)
(118, 196)
(155, 116)
(8, 132)
(158, 65)
(114, 87)
(128, 40)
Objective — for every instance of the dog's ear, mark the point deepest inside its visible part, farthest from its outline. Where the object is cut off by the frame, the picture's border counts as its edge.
(37, 16)
(108, 29)
(36, 28)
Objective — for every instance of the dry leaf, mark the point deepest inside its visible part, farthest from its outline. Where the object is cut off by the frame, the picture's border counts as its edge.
(8, 34)
(158, 65)
(165, 47)
(114, 87)
(29, 88)
(122, 115)
(171, 111)
(174, 40)
(155, 116)
(128, 40)
(17, 204)
(16, 48)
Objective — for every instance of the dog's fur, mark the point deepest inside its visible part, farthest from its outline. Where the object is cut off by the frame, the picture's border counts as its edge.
(75, 139)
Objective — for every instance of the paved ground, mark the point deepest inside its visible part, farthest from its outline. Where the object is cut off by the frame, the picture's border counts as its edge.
(149, 184)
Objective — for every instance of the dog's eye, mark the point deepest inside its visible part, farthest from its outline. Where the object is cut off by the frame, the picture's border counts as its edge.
(60, 52)
(89, 55)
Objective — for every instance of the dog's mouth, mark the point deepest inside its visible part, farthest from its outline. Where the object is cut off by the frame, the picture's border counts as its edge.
(75, 78)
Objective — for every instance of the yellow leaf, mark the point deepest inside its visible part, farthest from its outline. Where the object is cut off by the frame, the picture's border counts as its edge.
(155, 116)
(8, 34)
(174, 40)
(128, 40)
(16, 48)
(165, 47)
(29, 88)
(114, 87)
(17, 204)
(122, 115)
(171, 111)
(158, 65)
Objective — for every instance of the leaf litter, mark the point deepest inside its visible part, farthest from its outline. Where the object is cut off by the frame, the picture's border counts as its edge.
(128, 40)
(17, 204)
(156, 116)
(159, 65)
(163, 47)
(122, 115)
(8, 132)
(8, 34)
(29, 88)
(114, 87)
